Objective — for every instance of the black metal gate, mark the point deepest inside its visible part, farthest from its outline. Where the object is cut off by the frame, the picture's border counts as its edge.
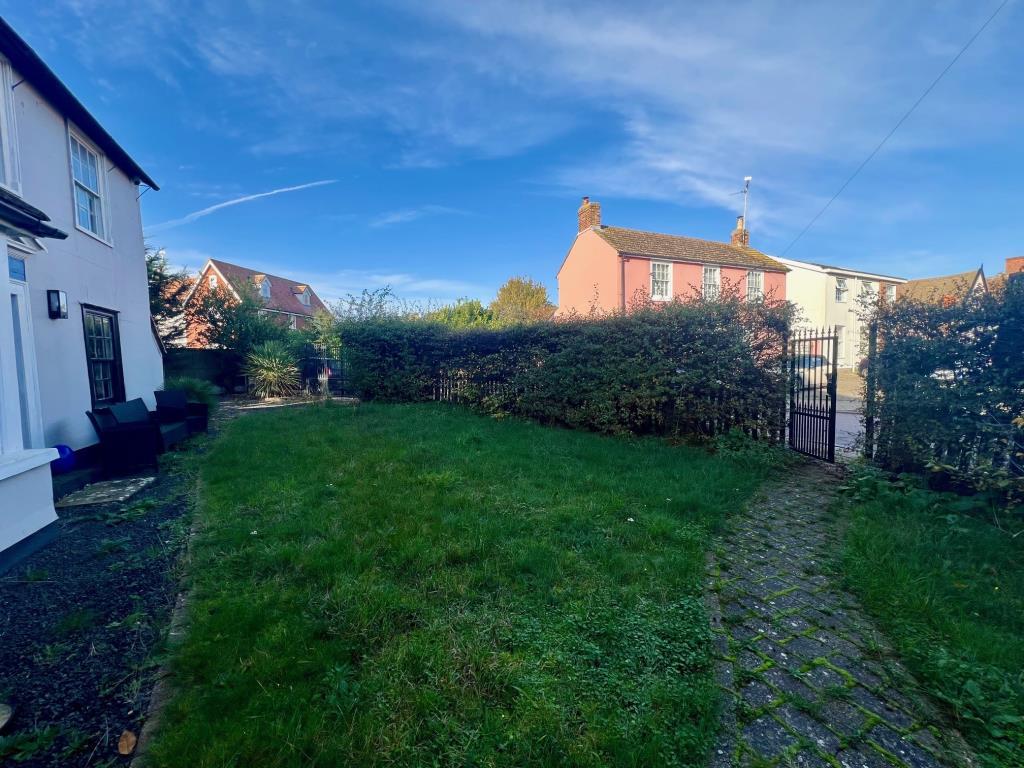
(813, 357)
(323, 369)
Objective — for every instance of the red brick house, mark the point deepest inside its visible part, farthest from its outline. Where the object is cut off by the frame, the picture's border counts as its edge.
(291, 303)
(609, 269)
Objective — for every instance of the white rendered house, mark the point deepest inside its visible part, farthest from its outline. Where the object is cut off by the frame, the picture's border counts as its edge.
(833, 297)
(72, 229)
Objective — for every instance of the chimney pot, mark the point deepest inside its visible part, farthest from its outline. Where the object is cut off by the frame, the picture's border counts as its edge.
(589, 214)
(740, 235)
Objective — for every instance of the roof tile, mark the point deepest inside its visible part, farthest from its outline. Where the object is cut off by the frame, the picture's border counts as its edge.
(283, 292)
(676, 247)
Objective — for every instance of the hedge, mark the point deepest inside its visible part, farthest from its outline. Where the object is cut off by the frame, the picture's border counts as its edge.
(950, 390)
(692, 369)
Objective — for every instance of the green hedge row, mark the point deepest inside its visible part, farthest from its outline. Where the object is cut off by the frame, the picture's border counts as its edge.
(692, 369)
(950, 383)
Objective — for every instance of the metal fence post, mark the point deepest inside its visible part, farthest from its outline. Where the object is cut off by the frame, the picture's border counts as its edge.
(870, 391)
(785, 383)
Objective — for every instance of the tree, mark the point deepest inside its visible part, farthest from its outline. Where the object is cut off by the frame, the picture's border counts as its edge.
(220, 320)
(464, 313)
(521, 300)
(167, 290)
(322, 330)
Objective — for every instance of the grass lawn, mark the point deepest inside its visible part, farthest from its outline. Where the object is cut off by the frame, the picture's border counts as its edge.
(417, 585)
(949, 589)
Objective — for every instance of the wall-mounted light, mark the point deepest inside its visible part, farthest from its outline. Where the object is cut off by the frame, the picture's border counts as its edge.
(57, 304)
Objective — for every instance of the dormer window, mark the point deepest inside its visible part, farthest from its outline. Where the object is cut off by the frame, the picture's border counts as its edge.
(265, 289)
(304, 297)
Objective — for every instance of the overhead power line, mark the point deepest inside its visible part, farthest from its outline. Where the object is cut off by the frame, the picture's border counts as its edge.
(896, 127)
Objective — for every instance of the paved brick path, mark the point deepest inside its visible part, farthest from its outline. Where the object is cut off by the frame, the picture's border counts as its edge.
(808, 680)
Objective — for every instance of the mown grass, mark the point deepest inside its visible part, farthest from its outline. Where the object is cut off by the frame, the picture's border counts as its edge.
(417, 585)
(947, 583)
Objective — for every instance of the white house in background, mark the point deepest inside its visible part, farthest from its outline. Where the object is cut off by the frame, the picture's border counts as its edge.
(95, 344)
(829, 296)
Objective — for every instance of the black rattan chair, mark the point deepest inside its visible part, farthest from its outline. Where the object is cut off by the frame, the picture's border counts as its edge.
(172, 405)
(125, 447)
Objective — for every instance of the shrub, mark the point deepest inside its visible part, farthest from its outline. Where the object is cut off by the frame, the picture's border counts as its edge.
(950, 391)
(683, 369)
(272, 370)
(197, 390)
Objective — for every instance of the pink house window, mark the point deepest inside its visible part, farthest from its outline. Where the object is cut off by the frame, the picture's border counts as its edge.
(661, 281)
(755, 285)
(712, 282)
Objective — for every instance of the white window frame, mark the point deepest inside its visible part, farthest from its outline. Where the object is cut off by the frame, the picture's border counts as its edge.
(715, 285)
(10, 173)
(101, 193)
(211, 281)
(842, 290)
(668, 295)
(890, 293)
(304, 295)
(757, 292)
(867, 288)
(265, 288)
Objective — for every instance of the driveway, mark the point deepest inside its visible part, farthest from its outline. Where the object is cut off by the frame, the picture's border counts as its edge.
(849, 430)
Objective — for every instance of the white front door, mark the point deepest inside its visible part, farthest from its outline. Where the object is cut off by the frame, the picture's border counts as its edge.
(25, 363)
(21, 421)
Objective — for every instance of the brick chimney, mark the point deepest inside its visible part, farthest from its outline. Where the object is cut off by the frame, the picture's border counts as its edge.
(1014, 264)
(740, 235)
(589, 214)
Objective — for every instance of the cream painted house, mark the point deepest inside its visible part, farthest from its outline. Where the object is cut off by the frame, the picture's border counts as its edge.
(75, 328)
(829, 296)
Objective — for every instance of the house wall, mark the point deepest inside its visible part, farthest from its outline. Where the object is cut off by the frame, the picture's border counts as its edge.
(195, 329)
(589, 277)
(110, 275)
(807, 287)
(813, 289)
(688, 280)
(591, 273)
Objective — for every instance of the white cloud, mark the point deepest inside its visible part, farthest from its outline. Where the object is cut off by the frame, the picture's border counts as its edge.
(705, 94)
(673, 102)
(188, 218)
(406, 215)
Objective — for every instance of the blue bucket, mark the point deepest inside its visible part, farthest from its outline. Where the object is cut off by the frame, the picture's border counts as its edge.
(65, 462)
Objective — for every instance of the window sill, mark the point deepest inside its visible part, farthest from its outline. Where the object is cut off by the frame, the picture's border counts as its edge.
(93, 235)
(15, 463)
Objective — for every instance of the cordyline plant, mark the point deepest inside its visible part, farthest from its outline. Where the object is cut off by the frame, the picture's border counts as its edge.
(272, 370)
(950, 391)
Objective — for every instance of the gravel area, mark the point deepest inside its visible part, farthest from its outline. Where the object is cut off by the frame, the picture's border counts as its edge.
(83, 623)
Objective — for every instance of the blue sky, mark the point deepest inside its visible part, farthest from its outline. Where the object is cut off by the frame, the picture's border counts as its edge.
(441, 147)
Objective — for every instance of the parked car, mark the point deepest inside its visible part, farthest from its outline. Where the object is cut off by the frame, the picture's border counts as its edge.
(811, 371)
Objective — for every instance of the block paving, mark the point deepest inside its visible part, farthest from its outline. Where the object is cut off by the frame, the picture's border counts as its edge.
(807, 679)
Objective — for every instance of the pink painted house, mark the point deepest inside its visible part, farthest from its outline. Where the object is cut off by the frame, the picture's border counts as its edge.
(610, 269)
